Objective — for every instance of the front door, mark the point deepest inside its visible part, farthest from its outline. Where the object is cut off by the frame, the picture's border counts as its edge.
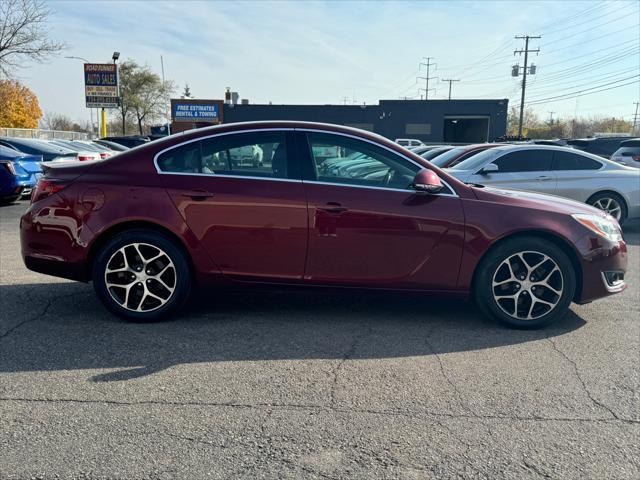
(241, 196)
(367, 227)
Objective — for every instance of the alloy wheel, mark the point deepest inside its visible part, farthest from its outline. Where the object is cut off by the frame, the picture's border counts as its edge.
(609, 205)
(527, 285)
(140, 277)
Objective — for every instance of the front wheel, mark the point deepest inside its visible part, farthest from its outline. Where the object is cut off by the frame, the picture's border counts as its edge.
(142, 275)
(526, 282)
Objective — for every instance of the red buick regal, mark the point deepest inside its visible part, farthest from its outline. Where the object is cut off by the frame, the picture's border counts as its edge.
(307, 204)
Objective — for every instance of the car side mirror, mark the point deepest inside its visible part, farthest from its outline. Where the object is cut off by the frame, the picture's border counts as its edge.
(427, 181)
(491, 168)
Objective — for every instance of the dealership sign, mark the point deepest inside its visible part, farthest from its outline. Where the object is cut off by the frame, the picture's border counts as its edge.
(101, 85)
(195, 112)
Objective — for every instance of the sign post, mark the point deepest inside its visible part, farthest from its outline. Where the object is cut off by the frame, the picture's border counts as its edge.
(101, 89)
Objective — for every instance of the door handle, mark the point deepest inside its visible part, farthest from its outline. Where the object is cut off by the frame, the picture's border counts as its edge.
(198, 195)
(542, 178)
(333, 207)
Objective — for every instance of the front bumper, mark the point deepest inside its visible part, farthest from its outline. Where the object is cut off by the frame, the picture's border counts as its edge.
(600, 259)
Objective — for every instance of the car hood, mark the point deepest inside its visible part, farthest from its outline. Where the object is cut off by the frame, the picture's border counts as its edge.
(540, 201)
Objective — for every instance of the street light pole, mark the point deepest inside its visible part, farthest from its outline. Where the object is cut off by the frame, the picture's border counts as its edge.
(90, 109)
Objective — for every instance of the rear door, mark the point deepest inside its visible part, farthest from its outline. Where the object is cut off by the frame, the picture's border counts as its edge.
(575, 174)
(522, 169)
(242, 196)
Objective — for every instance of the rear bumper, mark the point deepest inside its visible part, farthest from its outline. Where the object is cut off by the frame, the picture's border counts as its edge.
(54, 241)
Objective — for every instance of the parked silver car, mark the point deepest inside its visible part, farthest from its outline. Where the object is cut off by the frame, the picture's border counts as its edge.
(561, 171)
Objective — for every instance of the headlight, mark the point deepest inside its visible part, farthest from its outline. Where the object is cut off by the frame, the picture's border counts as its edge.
(605, 227)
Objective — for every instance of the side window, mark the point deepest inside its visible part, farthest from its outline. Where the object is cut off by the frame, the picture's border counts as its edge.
(525, 161)
(573, 161)
(339, 159)
(183, 159)
(256, 154)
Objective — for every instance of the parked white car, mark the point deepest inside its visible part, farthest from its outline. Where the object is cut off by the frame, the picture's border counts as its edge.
(84, 153)
(561, 171)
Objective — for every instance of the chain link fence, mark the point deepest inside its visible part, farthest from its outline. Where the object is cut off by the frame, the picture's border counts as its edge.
(43, 134)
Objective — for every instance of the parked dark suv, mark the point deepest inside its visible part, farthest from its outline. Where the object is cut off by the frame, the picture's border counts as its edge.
(603, 146)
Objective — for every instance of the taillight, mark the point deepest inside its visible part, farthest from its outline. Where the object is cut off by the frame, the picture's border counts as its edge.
(10, 167)
(84, 158)
(104, 155)
(44, 189)
(636, 158)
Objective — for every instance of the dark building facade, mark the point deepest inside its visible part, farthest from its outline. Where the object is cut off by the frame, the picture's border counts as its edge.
(438, 121)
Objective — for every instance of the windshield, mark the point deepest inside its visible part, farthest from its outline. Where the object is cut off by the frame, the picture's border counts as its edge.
(433, 153)
(444, 158)
(478, 160)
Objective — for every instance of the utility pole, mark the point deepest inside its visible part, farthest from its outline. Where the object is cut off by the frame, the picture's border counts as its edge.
(427, 78)
(345, 99)
(526, 52)
(450, 82)
(635, 118)
(551, 117)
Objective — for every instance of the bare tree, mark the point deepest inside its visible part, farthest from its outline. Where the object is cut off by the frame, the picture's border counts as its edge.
(56, 121)
(24, 34)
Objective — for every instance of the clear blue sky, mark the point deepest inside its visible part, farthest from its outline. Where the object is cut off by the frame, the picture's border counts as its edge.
(309, 52)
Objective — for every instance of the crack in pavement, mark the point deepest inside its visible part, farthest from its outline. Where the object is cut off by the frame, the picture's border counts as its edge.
(347, 355)
(574, 365)
(532, 467)
(39, 315)
(325, 408)
(458, 393)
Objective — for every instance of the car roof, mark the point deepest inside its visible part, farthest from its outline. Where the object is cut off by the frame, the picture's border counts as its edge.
(272, 124)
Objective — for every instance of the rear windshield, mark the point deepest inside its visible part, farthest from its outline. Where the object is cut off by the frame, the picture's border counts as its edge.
(478, 160)
(444, 158)
(627, 151)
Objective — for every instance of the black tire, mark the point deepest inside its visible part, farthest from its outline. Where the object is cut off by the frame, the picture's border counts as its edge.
(181, 280)
(603, 196)
(494, 260)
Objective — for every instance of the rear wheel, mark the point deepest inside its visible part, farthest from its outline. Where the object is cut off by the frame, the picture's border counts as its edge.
(142, 275)
(611, 203)
(526, 282)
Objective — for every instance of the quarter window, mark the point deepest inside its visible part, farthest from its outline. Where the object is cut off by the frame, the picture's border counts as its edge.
(525, 161)
(573, 161)
(257, 154)
(345, 160)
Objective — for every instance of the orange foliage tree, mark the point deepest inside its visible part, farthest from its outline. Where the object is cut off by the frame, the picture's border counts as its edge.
(19, 107)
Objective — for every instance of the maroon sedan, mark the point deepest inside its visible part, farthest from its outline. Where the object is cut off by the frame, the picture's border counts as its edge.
(294, 203)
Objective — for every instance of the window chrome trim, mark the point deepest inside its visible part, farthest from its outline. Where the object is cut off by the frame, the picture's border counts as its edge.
(221, 134)
(248, 177)
(290, 129)
(421, 167)
(388, 189)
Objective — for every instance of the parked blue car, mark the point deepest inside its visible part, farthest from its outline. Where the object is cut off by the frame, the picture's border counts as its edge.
(19, 173)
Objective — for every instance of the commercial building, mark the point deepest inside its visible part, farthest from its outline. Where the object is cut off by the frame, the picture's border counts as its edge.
(433, 121)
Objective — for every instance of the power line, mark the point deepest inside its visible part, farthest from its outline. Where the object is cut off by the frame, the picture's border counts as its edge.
(591, 19)
(581, 93)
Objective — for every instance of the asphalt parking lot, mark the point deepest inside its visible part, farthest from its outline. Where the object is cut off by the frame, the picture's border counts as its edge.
(273, 385)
